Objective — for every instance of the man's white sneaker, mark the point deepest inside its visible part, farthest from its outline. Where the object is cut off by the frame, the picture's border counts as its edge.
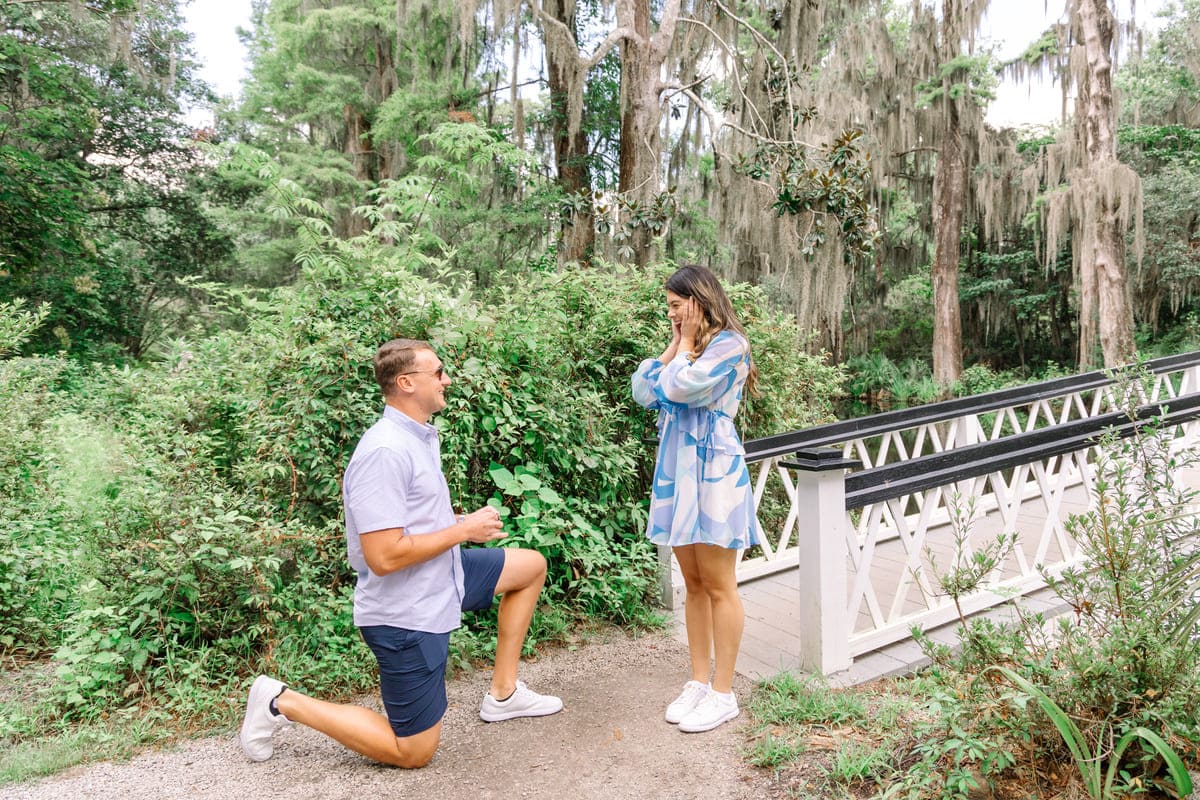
(710, 712)
(693, 692)
(523, 702)
(259, 723)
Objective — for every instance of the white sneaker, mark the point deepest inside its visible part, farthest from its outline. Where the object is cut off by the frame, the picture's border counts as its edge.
(259, 723)
(524, 702)
(710, 712)
(693, 692)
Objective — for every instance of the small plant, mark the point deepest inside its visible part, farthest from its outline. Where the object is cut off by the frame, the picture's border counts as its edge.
(773, 749)
(1088, 760)
(18, 323)
(859, 762)
(785, 699)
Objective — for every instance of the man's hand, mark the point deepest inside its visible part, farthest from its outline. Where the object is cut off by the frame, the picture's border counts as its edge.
(388, 550)
(483, 525)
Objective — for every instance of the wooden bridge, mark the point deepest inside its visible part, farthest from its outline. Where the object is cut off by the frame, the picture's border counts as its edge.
(862, 516)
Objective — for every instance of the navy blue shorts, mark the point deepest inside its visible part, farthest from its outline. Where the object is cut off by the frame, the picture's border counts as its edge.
(412, 664)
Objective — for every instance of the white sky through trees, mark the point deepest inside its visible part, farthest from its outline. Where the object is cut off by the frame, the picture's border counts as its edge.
(1012, 25)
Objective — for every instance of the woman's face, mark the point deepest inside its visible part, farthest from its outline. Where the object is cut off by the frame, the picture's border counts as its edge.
(676, 305)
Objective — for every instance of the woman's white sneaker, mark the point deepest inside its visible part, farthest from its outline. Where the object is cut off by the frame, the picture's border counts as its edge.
(710, 712)
(693, 692)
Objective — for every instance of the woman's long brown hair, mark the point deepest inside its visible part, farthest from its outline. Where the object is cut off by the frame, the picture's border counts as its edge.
(699, 283)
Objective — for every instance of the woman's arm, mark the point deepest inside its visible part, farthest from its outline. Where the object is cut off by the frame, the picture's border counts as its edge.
(711, 375)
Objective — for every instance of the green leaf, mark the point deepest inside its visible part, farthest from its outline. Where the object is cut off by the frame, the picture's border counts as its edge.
(501, 476)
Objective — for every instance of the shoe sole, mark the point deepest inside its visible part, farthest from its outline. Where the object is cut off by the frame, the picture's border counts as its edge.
(712, 725)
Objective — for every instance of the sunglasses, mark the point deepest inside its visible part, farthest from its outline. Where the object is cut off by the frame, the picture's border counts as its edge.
(439, 372)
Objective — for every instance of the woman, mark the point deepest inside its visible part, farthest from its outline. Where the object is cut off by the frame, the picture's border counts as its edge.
(702, 504)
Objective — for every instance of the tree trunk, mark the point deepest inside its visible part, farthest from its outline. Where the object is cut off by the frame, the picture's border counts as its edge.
(577, 240)
(950, 195)
(636, 170)
(357, 147)
(384, 83)
(1104, 282)
(642, 57)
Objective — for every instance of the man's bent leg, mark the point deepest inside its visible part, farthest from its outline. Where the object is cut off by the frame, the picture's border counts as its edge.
(520, 583)
(518, 575)
(361, 730)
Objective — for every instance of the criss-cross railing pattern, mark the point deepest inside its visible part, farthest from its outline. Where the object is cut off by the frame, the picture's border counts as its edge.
(876, 506)
(910, 434)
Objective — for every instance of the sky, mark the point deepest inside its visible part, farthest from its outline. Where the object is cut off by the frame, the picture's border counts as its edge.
(213, 25)
(1012, 25)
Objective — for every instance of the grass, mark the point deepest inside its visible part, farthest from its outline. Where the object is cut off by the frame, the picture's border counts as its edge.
(119, 737)
(826, 742)
(787, 699)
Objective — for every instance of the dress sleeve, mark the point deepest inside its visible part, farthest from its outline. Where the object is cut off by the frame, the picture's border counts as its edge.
(713, 373)
(645, 383)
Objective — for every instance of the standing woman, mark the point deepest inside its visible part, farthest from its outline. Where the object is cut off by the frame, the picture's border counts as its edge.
(702, 503)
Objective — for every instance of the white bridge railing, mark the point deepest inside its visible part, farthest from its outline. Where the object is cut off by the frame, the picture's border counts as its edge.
(869, 509)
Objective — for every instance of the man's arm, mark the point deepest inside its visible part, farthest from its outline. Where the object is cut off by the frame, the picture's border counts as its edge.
(392, 549)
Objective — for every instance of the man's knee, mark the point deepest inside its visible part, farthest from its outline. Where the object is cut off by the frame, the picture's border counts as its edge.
(415, 759)
(414, 752)
(530, 565)
(522, 569)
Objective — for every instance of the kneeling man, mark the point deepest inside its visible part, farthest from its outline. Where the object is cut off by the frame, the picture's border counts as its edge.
(414, 582)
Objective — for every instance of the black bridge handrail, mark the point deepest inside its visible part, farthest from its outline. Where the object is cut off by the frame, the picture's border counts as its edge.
(942, 469)
(836, 433)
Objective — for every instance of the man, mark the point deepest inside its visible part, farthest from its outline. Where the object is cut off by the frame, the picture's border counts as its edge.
(402, 538)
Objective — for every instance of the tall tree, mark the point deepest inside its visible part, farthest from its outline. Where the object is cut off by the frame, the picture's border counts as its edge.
(1091, 196)
(643, 55)
(318, 77)
(559, 21)
(1108, 188)
(958, 106)
(100, 188)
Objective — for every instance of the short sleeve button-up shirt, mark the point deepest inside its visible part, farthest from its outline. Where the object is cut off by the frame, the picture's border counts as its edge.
(394, 480)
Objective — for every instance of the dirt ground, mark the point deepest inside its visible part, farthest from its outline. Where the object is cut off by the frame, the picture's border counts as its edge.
(610, 741)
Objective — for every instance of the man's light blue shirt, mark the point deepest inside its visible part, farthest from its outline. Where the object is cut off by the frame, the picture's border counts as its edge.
(394, 480)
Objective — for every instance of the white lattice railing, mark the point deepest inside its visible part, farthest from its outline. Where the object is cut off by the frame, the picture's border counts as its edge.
(820, 503)
(913, 433)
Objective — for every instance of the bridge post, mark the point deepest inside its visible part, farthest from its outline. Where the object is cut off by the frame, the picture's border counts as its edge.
(821, 534)
(670, 580)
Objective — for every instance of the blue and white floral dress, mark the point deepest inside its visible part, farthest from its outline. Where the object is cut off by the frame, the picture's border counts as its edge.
(702, 492)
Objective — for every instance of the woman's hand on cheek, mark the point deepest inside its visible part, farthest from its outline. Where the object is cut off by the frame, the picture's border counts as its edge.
(693, 316)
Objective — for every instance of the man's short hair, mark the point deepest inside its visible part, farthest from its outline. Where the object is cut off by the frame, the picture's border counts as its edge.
(395, 357)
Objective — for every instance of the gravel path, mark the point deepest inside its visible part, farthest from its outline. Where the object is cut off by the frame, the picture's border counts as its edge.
(610, 742)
